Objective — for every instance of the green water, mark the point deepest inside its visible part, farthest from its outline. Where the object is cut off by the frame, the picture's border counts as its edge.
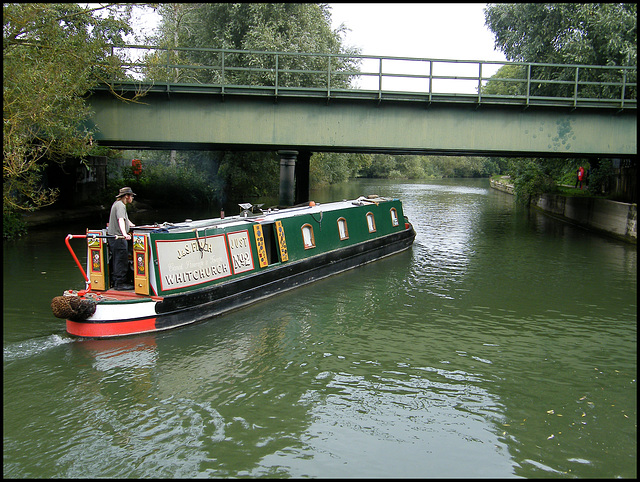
(503, 344)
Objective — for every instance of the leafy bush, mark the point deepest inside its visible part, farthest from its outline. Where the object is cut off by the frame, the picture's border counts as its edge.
(334, 167)
(599, 177)
(250, 174)
(530, 180)
(13, 226)
(430, 167)
(164, 185)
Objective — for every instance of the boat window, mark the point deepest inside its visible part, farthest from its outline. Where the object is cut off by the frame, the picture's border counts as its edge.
(394, 217)
(371, 223)
(307, 236)
(342, 228)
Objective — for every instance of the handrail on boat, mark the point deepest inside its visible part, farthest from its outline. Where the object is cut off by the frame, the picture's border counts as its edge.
(84, 275)
(75, 258)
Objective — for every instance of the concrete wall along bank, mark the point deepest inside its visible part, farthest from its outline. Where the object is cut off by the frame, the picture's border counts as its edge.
(610, 217)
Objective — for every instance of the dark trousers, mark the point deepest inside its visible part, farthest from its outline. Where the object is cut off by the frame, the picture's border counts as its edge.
(119, 261)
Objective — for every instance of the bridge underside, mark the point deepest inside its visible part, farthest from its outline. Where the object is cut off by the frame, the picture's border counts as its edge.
(212, 122)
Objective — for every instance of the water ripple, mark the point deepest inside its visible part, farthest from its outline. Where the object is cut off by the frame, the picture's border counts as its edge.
(167, 439)
(32, 347)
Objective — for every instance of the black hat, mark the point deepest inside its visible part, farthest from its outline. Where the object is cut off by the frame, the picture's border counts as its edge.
(124, 191)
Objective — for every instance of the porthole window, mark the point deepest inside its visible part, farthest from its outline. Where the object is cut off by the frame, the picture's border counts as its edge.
(371, 222)
(394, 217)
(342, 229)
(307, 236)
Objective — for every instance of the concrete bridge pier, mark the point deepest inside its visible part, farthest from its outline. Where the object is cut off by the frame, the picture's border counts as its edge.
(287, 177)
(294, 183)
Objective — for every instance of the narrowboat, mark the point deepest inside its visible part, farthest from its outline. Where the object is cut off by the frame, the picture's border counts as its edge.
(194, 270)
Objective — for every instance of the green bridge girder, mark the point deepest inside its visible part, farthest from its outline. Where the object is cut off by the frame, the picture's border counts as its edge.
(456, 125)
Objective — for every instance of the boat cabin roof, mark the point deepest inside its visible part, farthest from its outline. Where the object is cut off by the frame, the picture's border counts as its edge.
(263, 216)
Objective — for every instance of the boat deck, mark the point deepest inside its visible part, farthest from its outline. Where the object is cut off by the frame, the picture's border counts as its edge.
(119, 295)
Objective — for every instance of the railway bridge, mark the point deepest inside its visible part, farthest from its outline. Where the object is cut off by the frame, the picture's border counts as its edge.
(434, 115)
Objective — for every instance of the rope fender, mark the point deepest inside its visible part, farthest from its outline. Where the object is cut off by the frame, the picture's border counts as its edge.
(72, 308)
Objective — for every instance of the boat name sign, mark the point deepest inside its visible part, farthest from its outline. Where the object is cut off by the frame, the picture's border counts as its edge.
(182, 263)
(185, 263)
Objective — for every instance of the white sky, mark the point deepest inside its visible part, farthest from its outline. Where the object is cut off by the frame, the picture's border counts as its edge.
(424, 30)
(453, 31)
(432, 30)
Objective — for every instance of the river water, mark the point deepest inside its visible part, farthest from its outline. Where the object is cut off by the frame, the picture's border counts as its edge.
(503, 344)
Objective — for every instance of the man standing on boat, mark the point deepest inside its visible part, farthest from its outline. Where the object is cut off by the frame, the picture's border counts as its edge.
(119, 225)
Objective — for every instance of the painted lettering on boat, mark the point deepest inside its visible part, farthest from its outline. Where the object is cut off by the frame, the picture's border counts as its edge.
(182, 264)
(240, 250)
(192, 247)
(197, 275)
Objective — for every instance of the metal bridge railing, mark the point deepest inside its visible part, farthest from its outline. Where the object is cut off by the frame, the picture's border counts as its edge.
(333, 76)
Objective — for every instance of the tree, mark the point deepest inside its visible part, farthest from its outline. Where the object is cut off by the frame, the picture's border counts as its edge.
(254, 28)
(565, 33)
(176, 23)
(499, 83)
(428, 167)
(530, 179)
(569, 33)
(52, 55)
(332, 168)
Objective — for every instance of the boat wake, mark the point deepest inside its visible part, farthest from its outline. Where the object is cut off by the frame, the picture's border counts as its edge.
(32, 347)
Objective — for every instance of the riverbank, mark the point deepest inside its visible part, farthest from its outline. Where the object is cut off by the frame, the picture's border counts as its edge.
(601, 215)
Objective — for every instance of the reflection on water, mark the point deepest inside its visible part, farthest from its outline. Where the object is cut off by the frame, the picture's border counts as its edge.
(138, 352)
(502, 344)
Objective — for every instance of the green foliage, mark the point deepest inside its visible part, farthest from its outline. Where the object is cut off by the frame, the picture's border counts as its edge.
(600, 175)
(162, 184)
(98, 151)
(413, 168)
(508, 80)
(13, 226)
(381, 166)
(176, 185)
(328, 168)
(250, 174)
(333, 168)
(52, 54)
(530, 180)
(429, 167)
(568, 178)
(569, 33)
(253, 27)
